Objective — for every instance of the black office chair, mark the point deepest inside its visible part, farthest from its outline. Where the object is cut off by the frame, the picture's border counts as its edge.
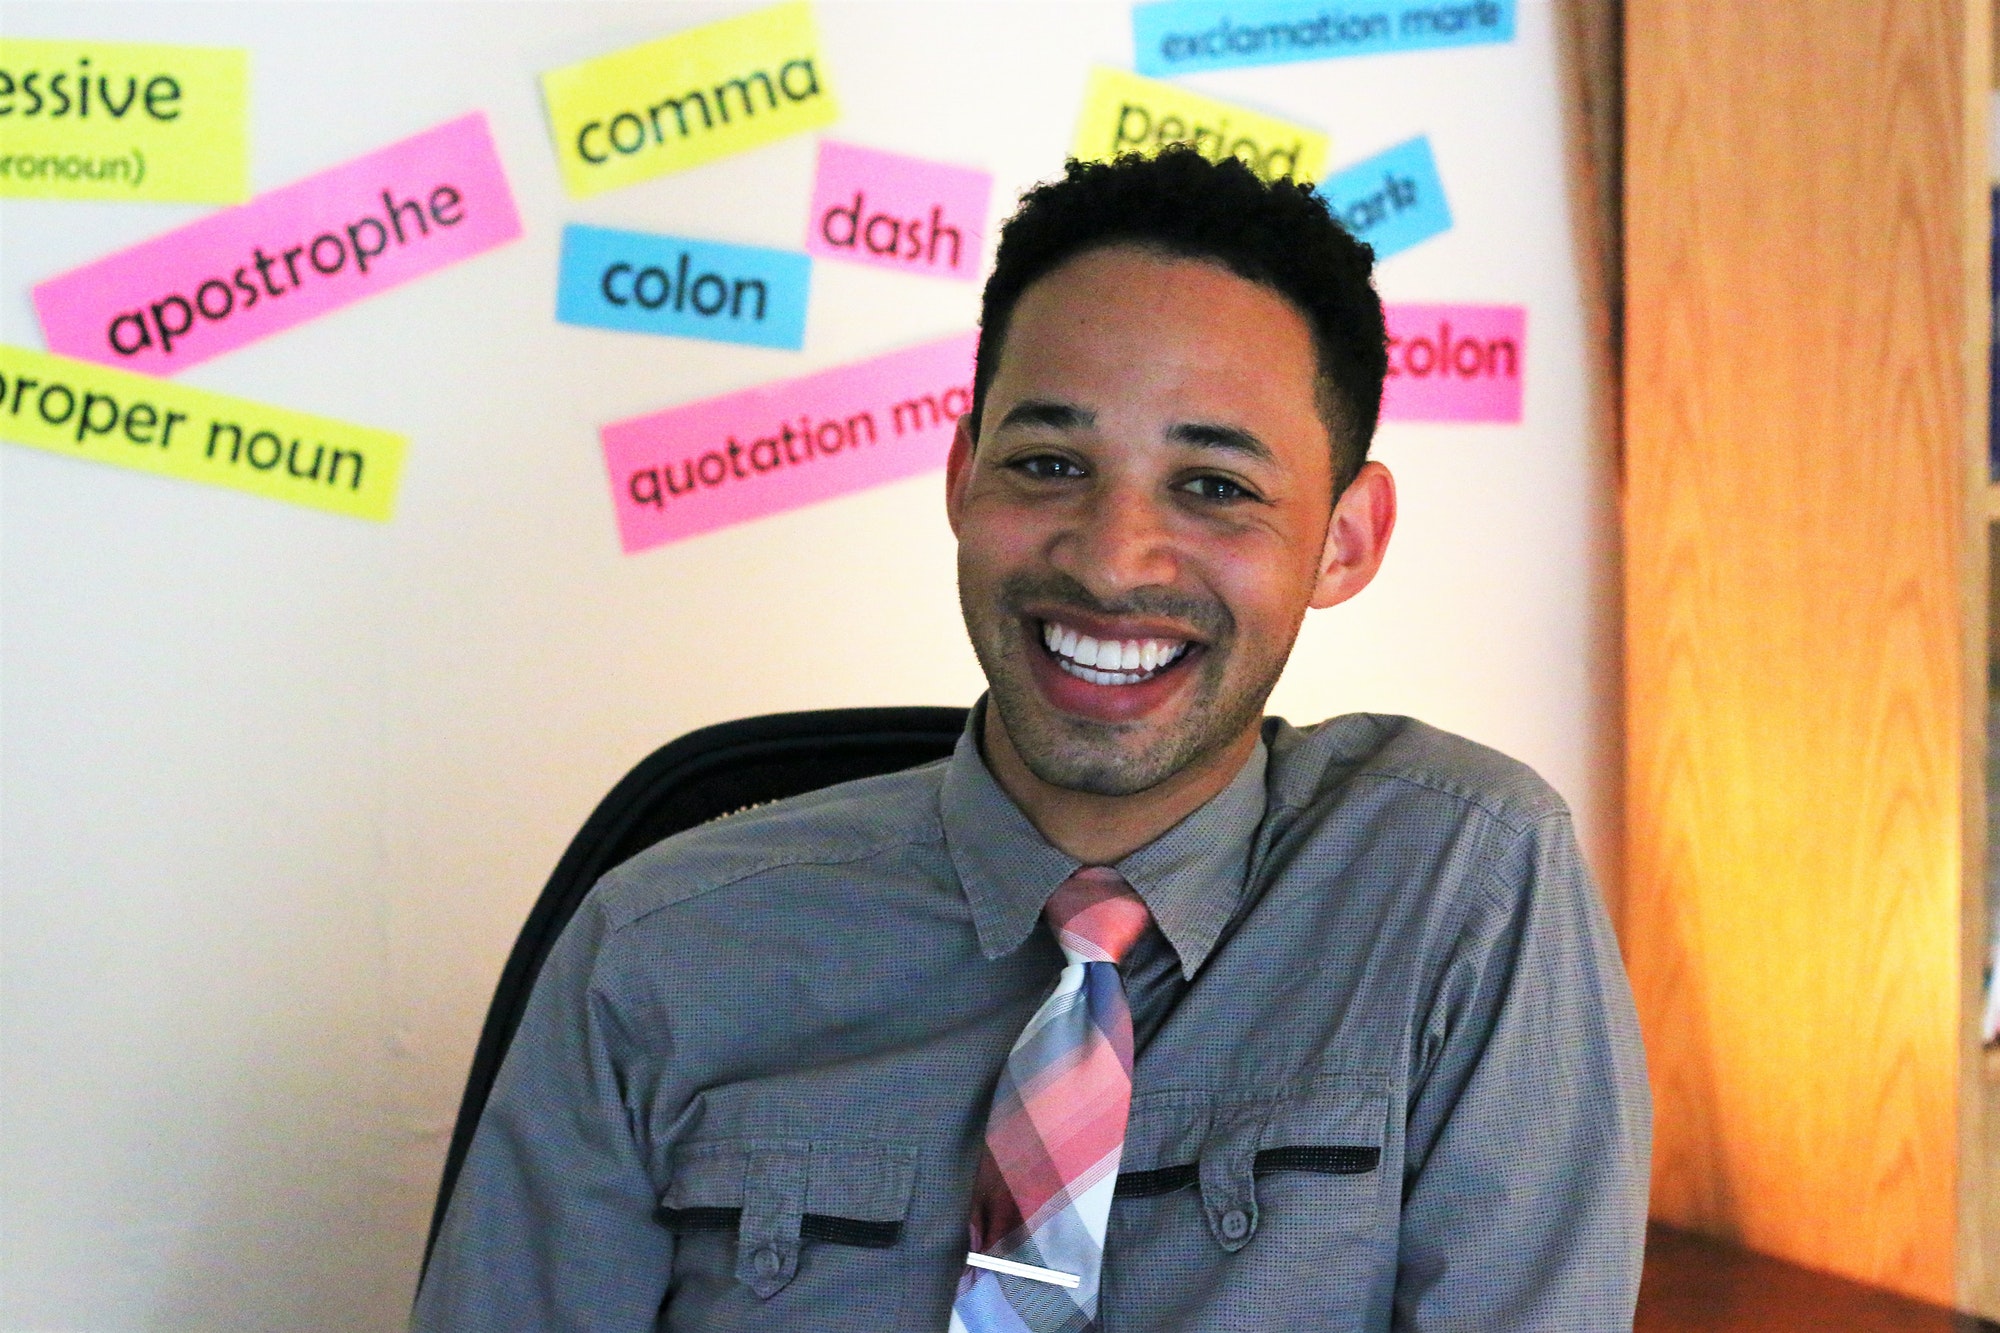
(702, 776)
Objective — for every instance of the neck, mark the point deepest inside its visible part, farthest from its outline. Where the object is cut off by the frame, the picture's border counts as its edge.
(1100, 830)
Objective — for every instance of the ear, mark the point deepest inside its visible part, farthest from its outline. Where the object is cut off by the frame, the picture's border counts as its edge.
(958, 471)
(1357, 536)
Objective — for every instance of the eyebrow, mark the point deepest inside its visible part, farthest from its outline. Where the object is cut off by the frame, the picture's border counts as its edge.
(1206, 435)
(1056, 416)
(1200, 434)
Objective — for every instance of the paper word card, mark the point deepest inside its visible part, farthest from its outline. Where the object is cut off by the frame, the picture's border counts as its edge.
(896, 212)
(743, 456)
(287, 256)
(117, 121)
(687, 99)
(1180, 36)
(1392, 200)
(1455, 363)
(82, 410)
(639, 282)
(1123, 113)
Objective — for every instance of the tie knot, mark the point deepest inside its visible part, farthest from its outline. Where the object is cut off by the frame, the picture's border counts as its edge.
(1096, 915)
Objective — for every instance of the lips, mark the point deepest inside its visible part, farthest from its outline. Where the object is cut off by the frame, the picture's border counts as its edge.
(1073, 668)
(1110, 661)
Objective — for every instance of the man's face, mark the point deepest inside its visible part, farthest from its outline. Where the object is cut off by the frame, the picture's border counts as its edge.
(1144, 519)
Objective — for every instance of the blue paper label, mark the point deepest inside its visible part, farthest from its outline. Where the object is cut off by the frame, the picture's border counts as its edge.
(1178, 36)
(639, 282)
(1392, 200)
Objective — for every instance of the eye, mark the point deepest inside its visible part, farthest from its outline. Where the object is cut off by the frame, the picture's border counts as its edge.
(1047, 467)
(1217, 489)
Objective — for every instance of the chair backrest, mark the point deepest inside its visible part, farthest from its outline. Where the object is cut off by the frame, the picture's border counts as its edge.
(702, 776)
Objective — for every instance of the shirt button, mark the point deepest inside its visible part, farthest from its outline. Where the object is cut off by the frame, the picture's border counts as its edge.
(768, 1262)
(1235, 1224)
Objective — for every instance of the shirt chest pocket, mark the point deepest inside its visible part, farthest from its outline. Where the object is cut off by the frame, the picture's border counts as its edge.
(769, 1230)
(1229, 1194)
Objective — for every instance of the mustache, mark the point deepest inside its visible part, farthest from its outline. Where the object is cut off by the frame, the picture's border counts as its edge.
(1207, 616)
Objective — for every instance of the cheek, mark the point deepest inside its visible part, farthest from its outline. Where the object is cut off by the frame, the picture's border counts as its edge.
(1264, 615)
(1265, 580)
(996, 538)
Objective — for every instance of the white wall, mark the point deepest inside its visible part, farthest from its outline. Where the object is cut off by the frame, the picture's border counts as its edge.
(279, 787)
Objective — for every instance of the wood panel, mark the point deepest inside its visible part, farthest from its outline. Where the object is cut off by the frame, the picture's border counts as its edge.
(1799, 238)
(1979, 1069)
(1696, 1285)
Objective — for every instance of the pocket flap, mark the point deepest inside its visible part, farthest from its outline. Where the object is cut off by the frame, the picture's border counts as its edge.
(1332, 1127)
(853, 1181)
(776, 1194)
(868, 1182)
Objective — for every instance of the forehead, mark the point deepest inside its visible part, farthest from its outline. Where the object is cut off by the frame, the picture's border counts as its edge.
(1132, 331)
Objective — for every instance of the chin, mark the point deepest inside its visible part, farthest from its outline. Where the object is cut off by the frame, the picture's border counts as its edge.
(1109, 758)
(1097, 771)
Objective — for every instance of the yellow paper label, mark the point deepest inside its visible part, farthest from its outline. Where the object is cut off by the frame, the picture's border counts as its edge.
(154, 425)
(1124, 113)
(687, 99)
(118, 121)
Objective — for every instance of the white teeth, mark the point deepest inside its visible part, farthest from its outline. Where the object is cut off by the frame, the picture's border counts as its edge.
(1109, 661)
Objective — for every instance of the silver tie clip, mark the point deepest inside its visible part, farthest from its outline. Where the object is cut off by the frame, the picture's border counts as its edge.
(1030, 1271)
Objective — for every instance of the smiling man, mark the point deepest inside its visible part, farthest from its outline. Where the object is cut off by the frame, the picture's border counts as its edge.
(1142, 1011)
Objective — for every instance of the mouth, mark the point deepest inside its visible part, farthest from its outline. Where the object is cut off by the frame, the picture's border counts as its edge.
(1116, 662)
(1117, 672)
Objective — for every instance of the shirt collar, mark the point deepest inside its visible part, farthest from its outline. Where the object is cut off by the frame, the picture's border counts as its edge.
(1191, 876)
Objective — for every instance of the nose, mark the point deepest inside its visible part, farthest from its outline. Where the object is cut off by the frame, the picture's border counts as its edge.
(1120, 541)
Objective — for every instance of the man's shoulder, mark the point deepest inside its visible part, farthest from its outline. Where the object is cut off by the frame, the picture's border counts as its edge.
(840, 825)
(1404, 762)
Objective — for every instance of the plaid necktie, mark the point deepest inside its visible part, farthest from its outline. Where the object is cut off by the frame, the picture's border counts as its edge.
(1043, 1194)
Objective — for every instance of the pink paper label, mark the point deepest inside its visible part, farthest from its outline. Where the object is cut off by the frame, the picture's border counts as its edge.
(898, 212)
(707, 465)
(1455, 362)
(287, 256)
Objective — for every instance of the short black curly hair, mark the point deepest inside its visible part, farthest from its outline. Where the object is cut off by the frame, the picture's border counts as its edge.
(1278, 234)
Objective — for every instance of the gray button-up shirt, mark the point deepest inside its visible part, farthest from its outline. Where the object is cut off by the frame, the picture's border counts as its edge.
(1389, 1074)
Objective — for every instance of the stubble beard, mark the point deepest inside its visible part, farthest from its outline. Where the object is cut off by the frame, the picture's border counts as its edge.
(1111, 758)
